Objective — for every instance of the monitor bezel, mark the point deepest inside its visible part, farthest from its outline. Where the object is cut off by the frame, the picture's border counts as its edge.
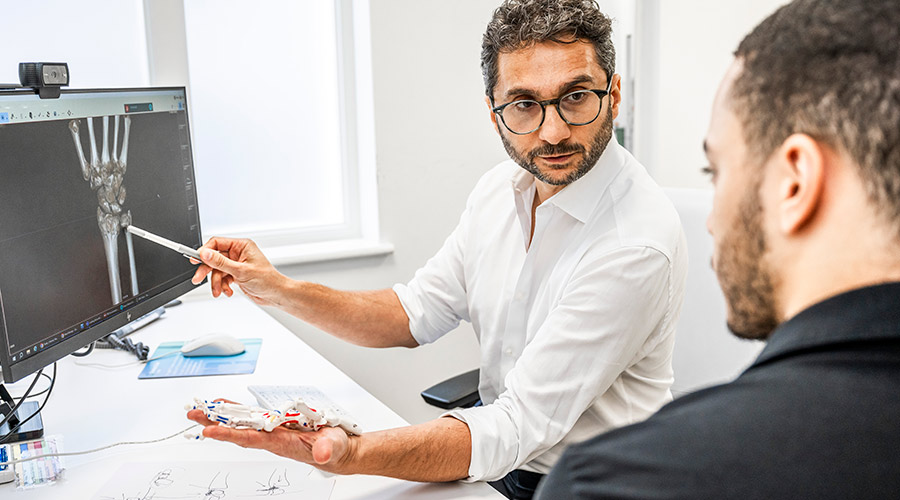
(13, 372)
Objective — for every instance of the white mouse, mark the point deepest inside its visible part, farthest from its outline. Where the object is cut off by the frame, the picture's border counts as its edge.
(213, 344)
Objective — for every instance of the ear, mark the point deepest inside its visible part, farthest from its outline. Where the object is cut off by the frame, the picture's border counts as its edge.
(615, 94)
(487, 100)
(801, 169)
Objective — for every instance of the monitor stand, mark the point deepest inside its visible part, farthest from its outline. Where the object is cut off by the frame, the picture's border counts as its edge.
(33, 429)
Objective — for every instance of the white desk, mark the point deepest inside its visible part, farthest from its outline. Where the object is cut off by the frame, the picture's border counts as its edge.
(92, 407)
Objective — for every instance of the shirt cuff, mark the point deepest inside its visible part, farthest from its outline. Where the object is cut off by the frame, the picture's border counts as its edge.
(493, 452)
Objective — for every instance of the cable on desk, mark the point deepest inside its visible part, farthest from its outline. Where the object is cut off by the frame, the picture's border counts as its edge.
(48, 377)
(85, 452)
(117, 339)
(130, 363)
(13, 430)
(23, 398)
(113, 341)
(90, 349)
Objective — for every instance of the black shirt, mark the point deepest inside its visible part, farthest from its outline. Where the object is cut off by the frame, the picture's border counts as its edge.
(817, 415)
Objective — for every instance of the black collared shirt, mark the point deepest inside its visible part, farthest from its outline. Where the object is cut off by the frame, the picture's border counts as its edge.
(816, 416)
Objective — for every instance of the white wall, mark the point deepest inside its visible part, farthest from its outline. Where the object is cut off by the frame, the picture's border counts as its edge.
(684, 49)
(102, 42)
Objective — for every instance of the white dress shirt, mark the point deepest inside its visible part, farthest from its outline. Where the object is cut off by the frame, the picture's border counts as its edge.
(576, 331)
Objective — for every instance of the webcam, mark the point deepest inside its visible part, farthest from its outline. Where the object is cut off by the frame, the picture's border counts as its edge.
(46, 78)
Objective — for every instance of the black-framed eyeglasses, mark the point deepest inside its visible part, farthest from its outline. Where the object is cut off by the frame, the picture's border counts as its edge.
(579, 107)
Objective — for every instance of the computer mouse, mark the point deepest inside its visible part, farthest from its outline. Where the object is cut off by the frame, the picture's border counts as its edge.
(213, 344)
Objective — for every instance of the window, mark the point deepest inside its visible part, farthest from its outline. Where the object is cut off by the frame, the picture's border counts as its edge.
(273, 93)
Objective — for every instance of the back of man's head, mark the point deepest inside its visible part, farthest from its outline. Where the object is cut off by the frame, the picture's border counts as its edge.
(829, 69)
(517, 24)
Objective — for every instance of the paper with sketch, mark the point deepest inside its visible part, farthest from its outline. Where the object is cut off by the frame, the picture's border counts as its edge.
(213, 480)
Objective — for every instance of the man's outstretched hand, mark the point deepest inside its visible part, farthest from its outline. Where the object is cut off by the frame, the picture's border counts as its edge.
(329, 448)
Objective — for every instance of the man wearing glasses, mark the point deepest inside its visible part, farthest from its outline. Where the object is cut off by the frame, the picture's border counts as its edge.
(569, 261)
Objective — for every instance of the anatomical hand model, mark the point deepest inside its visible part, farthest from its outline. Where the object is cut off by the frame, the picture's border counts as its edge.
(293, 414)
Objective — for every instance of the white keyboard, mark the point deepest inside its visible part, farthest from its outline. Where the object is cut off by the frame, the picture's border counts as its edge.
(271, 397)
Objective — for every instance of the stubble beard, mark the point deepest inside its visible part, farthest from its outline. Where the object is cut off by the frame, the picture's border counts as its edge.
(590, 154)
(745, 275)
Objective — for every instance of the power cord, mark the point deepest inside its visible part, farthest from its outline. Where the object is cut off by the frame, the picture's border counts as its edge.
(118, 339)
(114, 342)
(12, 431)
(90, 349)
(132, 363)
(48, 377)
(27, 394)
(85, 452)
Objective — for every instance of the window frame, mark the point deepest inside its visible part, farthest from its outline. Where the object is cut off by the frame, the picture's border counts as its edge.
(358, 234)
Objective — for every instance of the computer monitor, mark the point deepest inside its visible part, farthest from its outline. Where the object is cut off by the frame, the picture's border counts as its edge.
(74, 172)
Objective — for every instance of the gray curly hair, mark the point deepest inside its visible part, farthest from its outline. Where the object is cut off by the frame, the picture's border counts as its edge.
(517, 24)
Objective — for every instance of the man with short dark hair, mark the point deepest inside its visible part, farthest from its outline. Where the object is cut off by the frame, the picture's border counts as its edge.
(804, 152)
(568, 260)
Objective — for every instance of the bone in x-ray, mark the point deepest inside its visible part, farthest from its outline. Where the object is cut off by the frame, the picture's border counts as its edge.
(106, 172)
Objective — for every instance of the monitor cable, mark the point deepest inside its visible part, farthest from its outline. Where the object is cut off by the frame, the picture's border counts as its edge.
(90, 349)
(12, 431)
(10, 410)
(132, 363)
(118, 338)
(85, 452)
(112, 341)
(15, 408)
(49, 378)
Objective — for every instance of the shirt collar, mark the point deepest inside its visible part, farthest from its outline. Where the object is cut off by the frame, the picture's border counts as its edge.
(580, 198)
(870, 313)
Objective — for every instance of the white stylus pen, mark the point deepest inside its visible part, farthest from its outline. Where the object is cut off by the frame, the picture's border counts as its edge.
(159, 240)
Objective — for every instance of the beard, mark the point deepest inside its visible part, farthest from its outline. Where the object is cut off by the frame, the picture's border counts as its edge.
(589, 154)
(744, 274)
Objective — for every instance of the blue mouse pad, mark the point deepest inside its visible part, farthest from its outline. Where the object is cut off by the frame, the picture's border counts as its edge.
(176, 365)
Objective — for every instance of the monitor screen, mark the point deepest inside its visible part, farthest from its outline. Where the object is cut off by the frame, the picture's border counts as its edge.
(74, 173)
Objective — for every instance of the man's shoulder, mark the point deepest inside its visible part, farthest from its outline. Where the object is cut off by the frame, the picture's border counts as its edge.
(667, 452)
(501, 174)
(772, 433)
(497, 180)
(644, 214)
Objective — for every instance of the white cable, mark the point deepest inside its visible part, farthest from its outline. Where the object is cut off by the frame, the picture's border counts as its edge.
(67, 454)
(131, 363)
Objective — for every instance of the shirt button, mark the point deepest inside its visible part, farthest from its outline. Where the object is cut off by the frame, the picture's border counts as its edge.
(508, 352)
(520, 296)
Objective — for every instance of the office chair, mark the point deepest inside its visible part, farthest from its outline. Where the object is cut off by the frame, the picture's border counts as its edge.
(460, 391)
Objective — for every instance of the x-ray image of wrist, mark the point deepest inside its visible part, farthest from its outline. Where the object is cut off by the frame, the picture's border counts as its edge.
(106, 173)
(293, 414)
